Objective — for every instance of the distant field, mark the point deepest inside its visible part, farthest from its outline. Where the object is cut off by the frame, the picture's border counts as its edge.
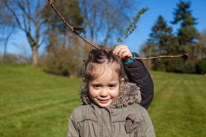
(35, 104)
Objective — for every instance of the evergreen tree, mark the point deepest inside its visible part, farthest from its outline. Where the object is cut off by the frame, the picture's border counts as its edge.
(161, 42)
(187, 32)
(187, 35)
(162, 36)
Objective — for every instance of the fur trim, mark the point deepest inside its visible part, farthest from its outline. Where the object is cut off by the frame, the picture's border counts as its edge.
(84, 94)
(129, 94)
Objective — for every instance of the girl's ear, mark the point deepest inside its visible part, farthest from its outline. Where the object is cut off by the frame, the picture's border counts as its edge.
(122, 81)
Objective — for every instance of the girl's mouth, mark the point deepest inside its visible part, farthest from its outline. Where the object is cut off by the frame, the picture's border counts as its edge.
(103, 101)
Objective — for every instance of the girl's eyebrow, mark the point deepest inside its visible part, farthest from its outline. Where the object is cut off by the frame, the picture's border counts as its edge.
(113, 82)
(93, 83)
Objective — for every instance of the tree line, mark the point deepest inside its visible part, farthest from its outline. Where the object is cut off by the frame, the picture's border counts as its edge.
(98, 20)
(163, 41)
(101, 21)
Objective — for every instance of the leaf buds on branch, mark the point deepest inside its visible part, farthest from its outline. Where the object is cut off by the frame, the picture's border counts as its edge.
(133, 25)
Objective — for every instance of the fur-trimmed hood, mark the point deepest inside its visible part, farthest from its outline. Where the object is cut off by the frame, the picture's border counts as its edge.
(129, 94)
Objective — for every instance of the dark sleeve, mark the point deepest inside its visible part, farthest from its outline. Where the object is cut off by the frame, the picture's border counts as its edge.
(137, 73)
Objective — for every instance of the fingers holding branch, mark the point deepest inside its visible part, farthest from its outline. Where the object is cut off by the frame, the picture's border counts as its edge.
(123, 52)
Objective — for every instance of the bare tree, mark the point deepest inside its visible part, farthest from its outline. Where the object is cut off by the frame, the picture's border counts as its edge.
(8, 31)
(201, 45)
(27, 15)
(7, 28)
(104, 19)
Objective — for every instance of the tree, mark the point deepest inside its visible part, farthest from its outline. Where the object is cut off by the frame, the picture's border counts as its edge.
(201, 50)
(105, 19)
(161, 42)
(70, 11)
(63, 48)
(183, 15)
(7, 27)
(187, 34)
(162, 37)
(7, 32)
(27, 16)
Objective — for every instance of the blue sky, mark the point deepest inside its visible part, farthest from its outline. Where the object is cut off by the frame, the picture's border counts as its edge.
(164, 8)
(140, 35)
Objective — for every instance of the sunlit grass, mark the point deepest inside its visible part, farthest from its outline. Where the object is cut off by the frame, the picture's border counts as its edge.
(179, 105)
(35, 104)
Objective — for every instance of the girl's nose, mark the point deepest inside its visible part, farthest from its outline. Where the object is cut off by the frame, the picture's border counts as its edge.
(103, 93)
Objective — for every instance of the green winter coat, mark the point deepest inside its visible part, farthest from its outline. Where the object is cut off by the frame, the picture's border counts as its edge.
(124, 118)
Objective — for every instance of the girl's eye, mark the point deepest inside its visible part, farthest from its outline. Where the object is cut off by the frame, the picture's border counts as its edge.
(96, 86)
(112, 86)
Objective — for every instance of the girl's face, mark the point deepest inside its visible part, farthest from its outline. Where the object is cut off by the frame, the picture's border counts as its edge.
(105, 89)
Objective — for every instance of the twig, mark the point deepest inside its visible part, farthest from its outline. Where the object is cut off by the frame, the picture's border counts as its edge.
(184, 56)
(51, 2)
(133, 25)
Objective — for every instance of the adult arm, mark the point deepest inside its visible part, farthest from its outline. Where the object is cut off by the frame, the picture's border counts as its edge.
(137, 73)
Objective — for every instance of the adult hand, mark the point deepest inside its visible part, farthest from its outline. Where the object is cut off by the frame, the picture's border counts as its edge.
(123, 52)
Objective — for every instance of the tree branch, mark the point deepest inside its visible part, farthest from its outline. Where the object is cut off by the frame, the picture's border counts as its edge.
(23, 14)
(44, 37)
(184, 56)
(29, 14)
(37, 7)
(14, 14)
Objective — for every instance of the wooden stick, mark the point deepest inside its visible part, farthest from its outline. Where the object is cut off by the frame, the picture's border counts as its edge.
(185, 55)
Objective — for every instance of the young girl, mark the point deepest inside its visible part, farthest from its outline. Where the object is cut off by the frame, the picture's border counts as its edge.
(110, 102)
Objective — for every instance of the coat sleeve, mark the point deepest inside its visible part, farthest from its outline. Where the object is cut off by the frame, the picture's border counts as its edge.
(72, 130)
(138, 74)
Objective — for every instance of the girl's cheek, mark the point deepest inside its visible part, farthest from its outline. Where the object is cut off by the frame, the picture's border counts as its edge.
(115, 93)
(93, 93)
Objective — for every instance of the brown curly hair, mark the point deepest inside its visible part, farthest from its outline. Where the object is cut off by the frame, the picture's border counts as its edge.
(99, 60)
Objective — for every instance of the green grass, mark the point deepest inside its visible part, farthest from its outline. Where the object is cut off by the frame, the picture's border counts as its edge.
(35, 104)
(179, 105)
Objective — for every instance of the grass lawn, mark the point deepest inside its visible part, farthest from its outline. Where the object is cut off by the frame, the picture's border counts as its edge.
(35, 104)
(179, 105)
